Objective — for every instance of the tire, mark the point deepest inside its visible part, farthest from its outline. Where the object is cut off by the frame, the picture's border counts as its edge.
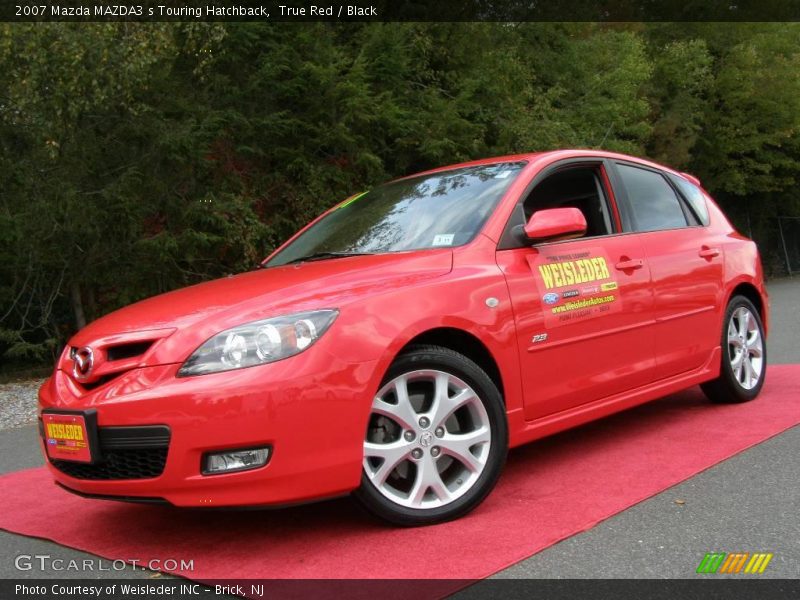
(425, 461)
(744, 355)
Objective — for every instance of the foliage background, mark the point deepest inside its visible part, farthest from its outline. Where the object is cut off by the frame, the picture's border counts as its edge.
(136, 158)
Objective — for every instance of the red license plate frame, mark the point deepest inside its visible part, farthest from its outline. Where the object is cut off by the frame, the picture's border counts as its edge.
(70, 435)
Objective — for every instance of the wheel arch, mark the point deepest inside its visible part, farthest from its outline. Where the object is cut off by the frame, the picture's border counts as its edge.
(751, 292)
(465, 343)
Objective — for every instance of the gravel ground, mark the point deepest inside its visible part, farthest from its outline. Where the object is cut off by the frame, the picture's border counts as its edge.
(18, 403)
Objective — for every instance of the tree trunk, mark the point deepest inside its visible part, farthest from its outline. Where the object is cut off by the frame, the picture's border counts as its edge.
(91, 304)
(77, 305)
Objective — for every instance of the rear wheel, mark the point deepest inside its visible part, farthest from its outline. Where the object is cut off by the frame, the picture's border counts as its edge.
(436, 440)
(744, 355)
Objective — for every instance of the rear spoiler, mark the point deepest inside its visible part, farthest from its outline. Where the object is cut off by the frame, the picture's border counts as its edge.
(693, 179)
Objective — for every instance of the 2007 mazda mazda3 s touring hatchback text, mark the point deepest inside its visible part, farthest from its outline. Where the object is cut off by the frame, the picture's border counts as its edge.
(400, 344)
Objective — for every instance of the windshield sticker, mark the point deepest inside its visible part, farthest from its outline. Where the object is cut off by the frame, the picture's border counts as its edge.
(351, 199)
(443, 239)
(576, 286)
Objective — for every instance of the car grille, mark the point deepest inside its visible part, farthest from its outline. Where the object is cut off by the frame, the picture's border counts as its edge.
(126, 453)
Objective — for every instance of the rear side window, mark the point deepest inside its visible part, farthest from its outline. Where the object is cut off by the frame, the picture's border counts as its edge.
(653, 202)
(695, 197)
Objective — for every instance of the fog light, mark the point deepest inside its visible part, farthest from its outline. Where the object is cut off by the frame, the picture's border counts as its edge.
(234, 460)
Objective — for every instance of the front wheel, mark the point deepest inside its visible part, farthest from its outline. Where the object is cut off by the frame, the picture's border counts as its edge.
(436, 440)
(744, 355)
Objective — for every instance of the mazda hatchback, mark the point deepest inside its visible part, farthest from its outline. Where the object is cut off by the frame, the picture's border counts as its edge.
(398, 345)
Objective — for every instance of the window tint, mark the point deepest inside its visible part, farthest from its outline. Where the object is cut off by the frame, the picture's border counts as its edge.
(653, 202)
(695, 197)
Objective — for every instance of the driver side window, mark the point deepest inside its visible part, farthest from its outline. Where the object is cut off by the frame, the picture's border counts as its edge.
(577, 187)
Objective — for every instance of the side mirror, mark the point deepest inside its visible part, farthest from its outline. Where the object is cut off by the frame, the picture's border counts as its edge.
(553, 224)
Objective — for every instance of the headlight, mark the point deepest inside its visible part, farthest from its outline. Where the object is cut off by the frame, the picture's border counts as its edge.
(259, 342)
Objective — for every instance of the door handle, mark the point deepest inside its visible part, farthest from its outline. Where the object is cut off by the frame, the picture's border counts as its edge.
(709, 253)
(629, 264)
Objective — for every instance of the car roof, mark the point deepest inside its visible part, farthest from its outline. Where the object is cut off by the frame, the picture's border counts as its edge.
(549, 156)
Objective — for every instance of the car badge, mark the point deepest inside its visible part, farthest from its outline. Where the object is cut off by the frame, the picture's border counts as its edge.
(83, 362)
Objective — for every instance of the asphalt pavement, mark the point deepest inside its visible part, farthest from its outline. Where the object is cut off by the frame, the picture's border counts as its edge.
(748, 503)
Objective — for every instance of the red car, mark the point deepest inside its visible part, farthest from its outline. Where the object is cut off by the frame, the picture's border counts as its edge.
(398, 345)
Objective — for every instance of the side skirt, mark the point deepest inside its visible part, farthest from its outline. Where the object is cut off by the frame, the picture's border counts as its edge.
(522, 432)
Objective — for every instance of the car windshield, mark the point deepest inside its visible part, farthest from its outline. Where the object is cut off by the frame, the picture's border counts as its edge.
(441, 209)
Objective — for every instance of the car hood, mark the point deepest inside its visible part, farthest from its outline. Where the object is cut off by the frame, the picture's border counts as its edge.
(181, 320)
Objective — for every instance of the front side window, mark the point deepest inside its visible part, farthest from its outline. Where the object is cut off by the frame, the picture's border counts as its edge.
(442, 209)
(652, 201)
(575, 187)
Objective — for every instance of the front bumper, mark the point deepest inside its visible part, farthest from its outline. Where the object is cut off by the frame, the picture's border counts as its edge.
(312, 409)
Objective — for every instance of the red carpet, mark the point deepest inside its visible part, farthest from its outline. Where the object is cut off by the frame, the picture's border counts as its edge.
(550, 490)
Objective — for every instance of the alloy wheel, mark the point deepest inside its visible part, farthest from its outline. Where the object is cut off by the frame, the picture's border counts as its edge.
(745, 348)
(428, 439)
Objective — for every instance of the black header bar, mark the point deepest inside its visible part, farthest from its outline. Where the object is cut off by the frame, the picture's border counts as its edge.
(401, 10)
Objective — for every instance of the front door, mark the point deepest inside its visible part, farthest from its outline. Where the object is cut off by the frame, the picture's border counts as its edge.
(583, 317)
(583, 307)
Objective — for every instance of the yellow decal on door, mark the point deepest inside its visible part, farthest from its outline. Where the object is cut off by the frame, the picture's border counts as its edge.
(570, 272)
(575, 286)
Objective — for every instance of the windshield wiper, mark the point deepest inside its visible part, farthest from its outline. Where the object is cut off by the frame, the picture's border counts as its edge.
(327, 255)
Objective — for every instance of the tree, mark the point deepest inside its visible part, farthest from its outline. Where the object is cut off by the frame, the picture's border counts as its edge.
(137, 158)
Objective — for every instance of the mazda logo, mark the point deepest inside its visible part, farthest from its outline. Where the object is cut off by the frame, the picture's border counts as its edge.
(83, 362)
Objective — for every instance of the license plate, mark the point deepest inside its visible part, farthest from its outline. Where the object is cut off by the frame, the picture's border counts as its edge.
(68, 436)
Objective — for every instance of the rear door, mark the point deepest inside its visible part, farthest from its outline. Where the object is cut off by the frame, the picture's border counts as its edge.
(582, 307)
(686, 267)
